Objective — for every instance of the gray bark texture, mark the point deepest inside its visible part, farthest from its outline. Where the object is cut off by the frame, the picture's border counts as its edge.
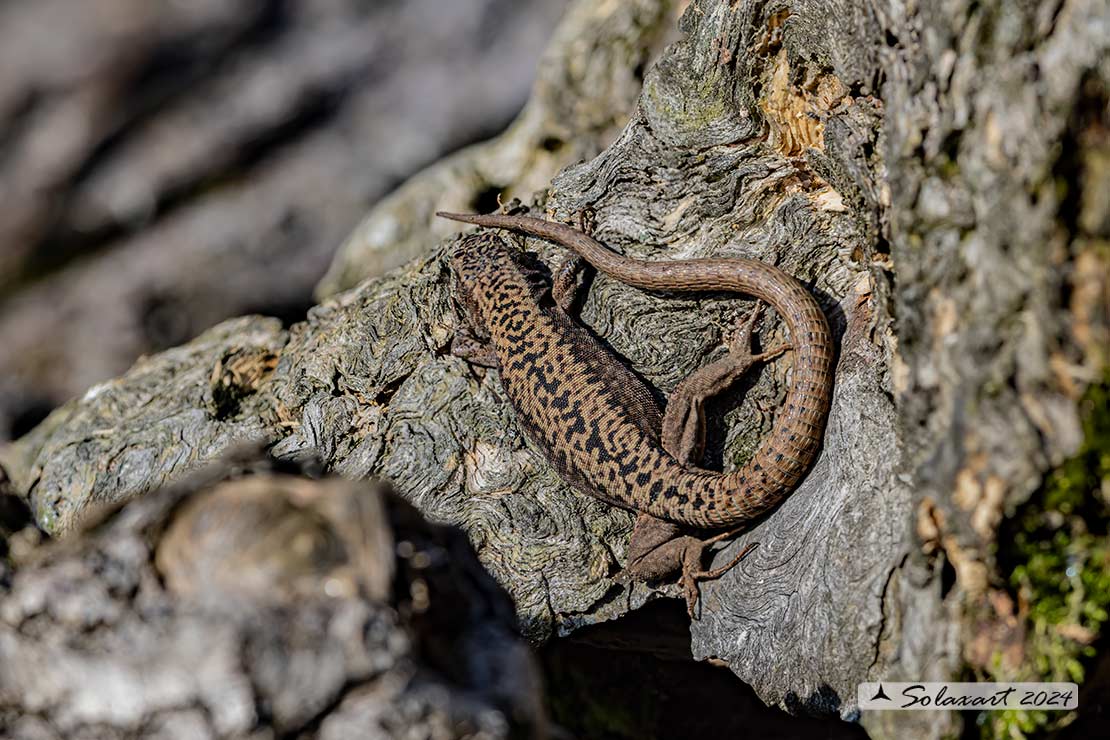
(935, 174)
(250, 602)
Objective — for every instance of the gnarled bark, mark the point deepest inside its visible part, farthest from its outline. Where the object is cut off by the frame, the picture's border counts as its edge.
(940, 198)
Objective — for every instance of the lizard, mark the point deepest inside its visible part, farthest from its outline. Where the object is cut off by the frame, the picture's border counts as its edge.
(598, 423)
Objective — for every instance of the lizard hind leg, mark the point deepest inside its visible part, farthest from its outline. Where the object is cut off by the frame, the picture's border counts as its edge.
(683, 433)
(660, 549)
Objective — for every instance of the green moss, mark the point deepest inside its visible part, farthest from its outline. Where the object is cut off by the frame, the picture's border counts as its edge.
(948, 169)
(697, 108)
(1057, 551)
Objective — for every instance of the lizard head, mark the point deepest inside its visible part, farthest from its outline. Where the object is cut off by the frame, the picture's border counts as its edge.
(488, 272)
(479, 259)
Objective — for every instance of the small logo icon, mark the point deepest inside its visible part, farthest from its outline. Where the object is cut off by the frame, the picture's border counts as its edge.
(880, 694)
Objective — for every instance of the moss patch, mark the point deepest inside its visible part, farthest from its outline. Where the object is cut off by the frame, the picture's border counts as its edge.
(1056, 550)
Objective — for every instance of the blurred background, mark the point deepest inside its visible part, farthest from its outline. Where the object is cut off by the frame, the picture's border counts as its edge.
(167, 164)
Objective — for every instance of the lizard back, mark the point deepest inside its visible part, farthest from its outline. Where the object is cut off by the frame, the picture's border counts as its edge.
(596, 421)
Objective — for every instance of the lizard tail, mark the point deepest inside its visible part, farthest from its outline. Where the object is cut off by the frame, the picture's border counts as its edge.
(787, 453)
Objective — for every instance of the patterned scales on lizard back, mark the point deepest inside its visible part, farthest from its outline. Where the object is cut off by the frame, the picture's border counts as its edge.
(599, 425)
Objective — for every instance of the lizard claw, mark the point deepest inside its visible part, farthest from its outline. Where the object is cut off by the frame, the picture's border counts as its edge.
(774, 352)
(693, 574)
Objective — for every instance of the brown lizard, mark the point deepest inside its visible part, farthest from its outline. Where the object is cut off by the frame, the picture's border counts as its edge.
(600, 426)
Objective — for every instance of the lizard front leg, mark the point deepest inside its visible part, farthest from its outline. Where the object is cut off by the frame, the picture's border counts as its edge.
(565, 289)
(472, 349)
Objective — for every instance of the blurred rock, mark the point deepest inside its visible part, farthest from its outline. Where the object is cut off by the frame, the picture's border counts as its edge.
(248, 602)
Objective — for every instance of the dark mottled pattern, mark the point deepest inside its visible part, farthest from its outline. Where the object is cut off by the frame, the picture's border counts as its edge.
(595, 420)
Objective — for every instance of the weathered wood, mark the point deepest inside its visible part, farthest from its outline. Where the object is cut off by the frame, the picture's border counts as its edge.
(995, 153)
(941, 201)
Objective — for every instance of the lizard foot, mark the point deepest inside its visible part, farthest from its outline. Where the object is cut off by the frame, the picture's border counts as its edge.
(658, 550)
(586, 221)
(565, 288)
(472, 349)
(740, 344)
(693, 573)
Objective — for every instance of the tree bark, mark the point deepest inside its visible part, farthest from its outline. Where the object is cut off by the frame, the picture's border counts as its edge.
(935, 175)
